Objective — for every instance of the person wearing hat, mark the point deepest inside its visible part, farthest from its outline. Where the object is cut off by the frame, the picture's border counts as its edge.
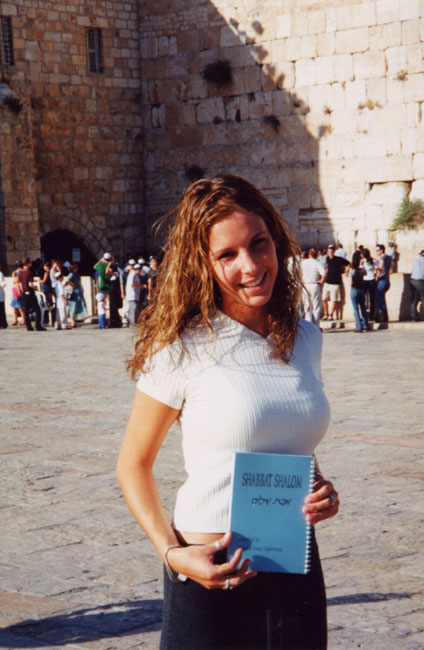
(61, 303)
(101, 267)
(123, 282)
(133, 290)
(417, 285)
(332, 295)
(104, 273)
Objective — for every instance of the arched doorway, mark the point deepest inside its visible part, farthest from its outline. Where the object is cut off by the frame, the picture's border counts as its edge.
(66, 246)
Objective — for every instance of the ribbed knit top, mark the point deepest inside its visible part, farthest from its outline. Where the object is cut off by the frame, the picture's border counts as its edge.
(234, 396)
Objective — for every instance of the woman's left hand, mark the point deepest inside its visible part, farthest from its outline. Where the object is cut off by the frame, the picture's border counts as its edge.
(322, 503)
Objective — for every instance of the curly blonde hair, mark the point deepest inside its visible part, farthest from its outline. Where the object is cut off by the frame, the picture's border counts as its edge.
(186, 289)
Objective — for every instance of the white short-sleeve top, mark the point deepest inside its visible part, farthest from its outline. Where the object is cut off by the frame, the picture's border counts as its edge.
(234, 396)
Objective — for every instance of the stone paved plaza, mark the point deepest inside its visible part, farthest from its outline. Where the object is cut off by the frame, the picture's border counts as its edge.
(76, 571)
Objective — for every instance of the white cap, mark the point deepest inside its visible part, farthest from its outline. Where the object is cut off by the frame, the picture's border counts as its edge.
(137, 266)
(131, 262)
(141, 260)
(107, 256)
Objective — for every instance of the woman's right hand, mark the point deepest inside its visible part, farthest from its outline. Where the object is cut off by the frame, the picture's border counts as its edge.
(196, 562)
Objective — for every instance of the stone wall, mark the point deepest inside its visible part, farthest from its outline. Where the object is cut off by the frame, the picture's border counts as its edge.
(83, 128)
(21, 237)
(324, 111)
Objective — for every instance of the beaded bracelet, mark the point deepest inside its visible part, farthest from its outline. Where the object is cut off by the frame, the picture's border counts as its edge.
(173, 575)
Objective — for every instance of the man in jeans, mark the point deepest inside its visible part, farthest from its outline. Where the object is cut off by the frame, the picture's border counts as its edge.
(382, 276)
(29, 299)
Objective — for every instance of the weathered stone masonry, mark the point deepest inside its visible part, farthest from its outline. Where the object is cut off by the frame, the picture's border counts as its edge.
(324, 112)
(71, 158)
(345, 82)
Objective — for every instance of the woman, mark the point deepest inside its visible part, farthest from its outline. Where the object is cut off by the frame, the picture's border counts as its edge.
(357, 292)
(16, 303)
(370, 266)
(222, 351)
(46, 285)
(76, 302)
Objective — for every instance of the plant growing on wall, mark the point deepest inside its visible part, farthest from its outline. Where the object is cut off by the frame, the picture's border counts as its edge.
(219, 72)
(409, 216)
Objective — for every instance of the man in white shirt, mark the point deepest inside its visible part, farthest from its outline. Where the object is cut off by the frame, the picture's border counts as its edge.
(417, 285)
(340, 252)
(61, 303)
(313, 277)
(132, 292)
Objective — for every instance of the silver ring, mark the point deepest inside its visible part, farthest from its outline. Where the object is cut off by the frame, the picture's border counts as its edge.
(218, 545)
(333, 499)
(227, 584)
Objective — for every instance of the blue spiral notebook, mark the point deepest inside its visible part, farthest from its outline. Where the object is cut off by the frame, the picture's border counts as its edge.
(267, 521)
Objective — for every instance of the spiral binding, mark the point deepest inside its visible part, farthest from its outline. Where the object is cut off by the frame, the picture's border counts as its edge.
(308, 526)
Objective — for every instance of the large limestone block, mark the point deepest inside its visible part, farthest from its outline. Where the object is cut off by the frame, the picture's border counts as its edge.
(305, 72)
(380, 170)
(414, 88)
(418, 163)
(419, 135)
(308, 47)
(410, 32)
(343, 67)
(417, 190)
(324, 69)
(316, 21)
(414, 57)
(326, 44)
(231, 37)
(409, 10)
(344, 16)
(376, 92)
(355, 94)
(299, 20)
(396, 58)
(368, 146)
(384, 36)
(388, 11)
(350, 41)
(408, 140)
(369, 65)
(394, 92)
(292, 48)
(283, 26)
(364, 14)
(387, 193)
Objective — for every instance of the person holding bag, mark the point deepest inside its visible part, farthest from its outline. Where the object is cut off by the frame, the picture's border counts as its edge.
(222, 352)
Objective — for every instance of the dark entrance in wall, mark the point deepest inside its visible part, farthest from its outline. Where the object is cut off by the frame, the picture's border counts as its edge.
(66, 246)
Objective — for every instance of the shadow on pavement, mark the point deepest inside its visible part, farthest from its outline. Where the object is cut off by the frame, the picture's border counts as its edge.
(85, 625)
(353, 599)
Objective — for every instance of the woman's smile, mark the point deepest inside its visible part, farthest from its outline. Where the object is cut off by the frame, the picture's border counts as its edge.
(244, 264)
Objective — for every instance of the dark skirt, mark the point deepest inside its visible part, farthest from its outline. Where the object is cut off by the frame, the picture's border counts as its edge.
(272, 611)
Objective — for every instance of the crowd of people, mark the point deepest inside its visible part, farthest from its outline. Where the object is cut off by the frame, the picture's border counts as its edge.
(55, 289)
(129, 288)
(52, 293)
(369, 279)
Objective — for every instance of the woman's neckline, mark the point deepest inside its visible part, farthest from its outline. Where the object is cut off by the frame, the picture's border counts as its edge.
(223, 316)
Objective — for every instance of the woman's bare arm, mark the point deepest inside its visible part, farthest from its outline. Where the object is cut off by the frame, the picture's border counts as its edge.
(148, 425)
